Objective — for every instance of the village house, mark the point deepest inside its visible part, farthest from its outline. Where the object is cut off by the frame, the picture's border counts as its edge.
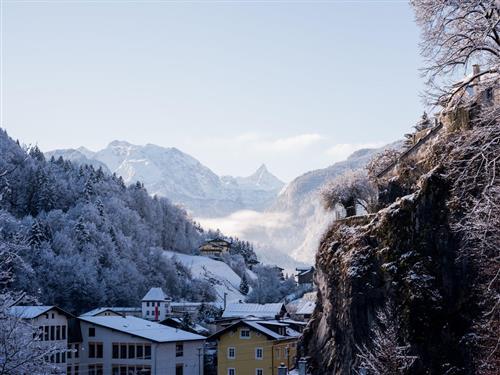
(156, 305)
(259, 347)
(305, 276)
(122, 345)
(53, 325)
(237, 311)
(115, 311)
(215, 248)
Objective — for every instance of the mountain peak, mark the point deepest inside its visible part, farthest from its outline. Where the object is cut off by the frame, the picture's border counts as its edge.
(261, 179)
(118, 143)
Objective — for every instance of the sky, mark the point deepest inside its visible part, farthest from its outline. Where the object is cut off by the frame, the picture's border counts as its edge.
(294, 85)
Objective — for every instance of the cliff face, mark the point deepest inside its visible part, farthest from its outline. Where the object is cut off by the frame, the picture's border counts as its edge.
(429, 260)
(404, 256)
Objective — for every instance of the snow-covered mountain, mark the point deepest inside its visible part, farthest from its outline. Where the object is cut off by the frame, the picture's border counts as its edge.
(79, 156)
(178, 176)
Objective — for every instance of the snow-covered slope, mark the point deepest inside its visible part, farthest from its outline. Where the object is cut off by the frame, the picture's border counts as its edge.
(78, 156)
(176, 175)
(219, 274)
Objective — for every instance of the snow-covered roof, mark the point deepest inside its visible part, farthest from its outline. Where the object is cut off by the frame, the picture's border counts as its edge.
(197, 327)
(242, 310)
(98, 311)
(31, 312)
(155, 294)
(142, 328)
(306, 308)
(259, 326)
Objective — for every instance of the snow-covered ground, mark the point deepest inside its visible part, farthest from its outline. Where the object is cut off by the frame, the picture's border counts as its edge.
(219, 274)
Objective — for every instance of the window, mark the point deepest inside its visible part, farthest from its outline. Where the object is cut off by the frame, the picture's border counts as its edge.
(139, 351)
(46, 333)
(91, 332)
(123, 350)
(179, 349)
(116, 351)
(231, 371)
(77, 350)
(231, 353)
(53, 316)
(91, 350)
(259, 371)
(259, 353)
(95, 370)
(245, 334)
(147, 304)
(52, 333)
(147, 312)
(63, 357)
(58, 357)
(70, 353)
(131, 350)
(99, 350)
(179, 369)
(68, 370)
(58, 332)
(147, 351)
(77, 370)
(63, 332)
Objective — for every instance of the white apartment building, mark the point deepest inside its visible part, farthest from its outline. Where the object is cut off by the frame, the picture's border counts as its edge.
(123, 345)
(53, 324)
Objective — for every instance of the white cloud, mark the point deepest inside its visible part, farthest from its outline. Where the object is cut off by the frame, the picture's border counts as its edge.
(294, 143)
(341, 151)
(244, 222)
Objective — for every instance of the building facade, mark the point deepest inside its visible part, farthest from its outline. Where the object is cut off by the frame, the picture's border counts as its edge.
(255, 348)
(124, 345)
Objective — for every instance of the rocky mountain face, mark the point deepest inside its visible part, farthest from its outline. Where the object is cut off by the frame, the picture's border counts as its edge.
(300, 203)
(171, 173)
(414, 286)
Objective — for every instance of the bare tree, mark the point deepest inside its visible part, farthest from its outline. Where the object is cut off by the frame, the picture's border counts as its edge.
(380, 162)
(385, 355)
(350, 189)
(455, 35)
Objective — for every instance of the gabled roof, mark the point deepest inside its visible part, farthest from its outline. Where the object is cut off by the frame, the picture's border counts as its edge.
(243, 310)
(142, 328)
(155, 294)
(32, 312)
(100, 310)
(258, 326)
(306, 308)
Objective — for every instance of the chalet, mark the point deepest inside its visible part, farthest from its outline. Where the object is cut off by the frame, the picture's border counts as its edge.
(156, 305)
(119, 345)
(305, 276)
(255, 347)
(215, 248)
(53, 324)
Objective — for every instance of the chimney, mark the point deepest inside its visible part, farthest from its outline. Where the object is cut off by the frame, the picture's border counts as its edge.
(476, 69)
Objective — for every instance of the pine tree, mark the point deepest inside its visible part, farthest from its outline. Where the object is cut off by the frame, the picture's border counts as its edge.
(82, 233)
(244, 285)
(36, 235)
(424, 123)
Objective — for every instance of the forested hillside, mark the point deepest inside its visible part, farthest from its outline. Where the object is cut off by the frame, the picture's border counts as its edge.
(84, 238)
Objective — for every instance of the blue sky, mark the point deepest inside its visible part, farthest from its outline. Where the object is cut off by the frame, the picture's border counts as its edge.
(295, 85)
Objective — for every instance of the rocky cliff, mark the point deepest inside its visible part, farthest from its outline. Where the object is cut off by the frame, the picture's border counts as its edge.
(414, 285)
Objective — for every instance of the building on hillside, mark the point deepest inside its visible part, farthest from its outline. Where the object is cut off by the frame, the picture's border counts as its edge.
(53, 324)
(215, 248)
(156, 305)
(279, 272)
(255, 347)
(305, 276)
(122, 345)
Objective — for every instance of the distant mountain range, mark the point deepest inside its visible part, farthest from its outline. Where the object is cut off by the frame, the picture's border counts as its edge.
(289, 221)
(181, 178)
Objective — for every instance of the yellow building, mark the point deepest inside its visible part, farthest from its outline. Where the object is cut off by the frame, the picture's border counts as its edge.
(255, 347)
